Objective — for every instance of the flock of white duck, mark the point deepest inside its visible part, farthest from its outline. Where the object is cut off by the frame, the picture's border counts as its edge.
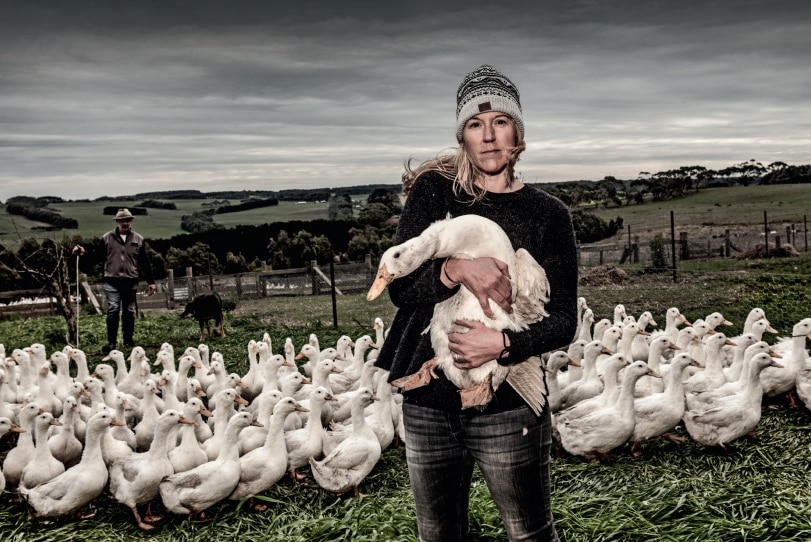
(191, 434)
(623, 383)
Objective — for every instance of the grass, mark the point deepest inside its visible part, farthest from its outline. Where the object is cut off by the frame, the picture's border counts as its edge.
(158, 224)
(759, 490)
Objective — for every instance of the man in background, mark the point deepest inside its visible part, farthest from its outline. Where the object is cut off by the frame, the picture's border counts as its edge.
(126, 261)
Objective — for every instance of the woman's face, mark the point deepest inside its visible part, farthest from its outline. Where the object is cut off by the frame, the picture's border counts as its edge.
(487, 137)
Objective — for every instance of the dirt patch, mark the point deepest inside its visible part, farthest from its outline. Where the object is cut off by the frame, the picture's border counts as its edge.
(783, 251)
(604, 275)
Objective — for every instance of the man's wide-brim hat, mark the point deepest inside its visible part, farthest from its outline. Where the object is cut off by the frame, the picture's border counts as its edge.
(124, 214)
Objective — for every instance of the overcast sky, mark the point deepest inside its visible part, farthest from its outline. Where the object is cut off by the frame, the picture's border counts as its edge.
(118, 97)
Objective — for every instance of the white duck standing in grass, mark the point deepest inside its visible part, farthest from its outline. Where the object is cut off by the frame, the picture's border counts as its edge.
(597, 433)
(265, 465)
(730, 417)
(70, 491)
(467, 237)
(43, 466)
(658, 413)
(19, 456)
(6, 426)
(557, 360)
(195, 490)
(134, 480)
(63, 443)
(189, 453)
(776, 381)
(355, 457)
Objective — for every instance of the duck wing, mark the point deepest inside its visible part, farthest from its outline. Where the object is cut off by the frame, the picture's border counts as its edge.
(532, 288)
(526, 378)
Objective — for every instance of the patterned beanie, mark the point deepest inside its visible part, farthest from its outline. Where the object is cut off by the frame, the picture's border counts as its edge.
(485, 89)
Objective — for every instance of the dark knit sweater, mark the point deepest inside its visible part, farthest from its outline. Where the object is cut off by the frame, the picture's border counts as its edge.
(533, 220)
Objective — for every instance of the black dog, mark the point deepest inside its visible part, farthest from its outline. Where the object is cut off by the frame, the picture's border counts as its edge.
(204, 308)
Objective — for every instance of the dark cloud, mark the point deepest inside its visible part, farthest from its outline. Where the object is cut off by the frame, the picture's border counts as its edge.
(175, 94)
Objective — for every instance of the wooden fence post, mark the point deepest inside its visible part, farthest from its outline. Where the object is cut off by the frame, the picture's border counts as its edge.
(170, 280)
(190, 282)
(684, 251)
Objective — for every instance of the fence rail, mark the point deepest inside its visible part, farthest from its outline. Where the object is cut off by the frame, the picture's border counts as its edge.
(174, 292)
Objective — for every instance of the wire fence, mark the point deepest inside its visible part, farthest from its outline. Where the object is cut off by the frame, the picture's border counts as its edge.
(692, 236)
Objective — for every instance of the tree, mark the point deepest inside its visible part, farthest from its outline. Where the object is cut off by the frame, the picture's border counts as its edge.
(375, 214)
(339, 207)
(47, 266)
(198, 256)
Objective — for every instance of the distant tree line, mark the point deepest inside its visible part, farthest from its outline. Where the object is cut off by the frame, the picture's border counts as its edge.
(37, 209)
(157, 204)
(247, 205)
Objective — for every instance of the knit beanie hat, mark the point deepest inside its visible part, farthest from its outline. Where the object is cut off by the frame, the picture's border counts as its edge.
(485, 89)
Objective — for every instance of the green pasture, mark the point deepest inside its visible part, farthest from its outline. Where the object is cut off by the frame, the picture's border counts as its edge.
(730, 206)
(759, 490)
(158, 224)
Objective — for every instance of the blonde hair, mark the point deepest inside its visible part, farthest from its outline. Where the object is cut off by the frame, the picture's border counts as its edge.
(458, 166)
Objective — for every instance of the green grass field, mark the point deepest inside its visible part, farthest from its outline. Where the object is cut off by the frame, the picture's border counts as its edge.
(158, 224)
(732, 206)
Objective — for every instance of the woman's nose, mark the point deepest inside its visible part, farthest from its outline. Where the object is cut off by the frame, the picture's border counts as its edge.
(489, 132)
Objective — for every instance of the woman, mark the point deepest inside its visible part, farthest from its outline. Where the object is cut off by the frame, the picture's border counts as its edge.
(507, 440)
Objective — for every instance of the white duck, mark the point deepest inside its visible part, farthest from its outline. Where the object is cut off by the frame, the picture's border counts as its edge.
(223, 403)
(62, 379)
(19, 456)
(80, 359)
(658, 413)
(68, 492)
(607, 396)
(134, 480)
(803, 385)
(138, 372)
(590, 385)
(123, 432)
(704, 400)
(776, 381)
(184, 365)
(466, 237)
(557, 360)
(640, 346)
(354, 458)
(648, 384)
(148, 411)
(265, 465)
(120, 360)
(189, 453)
(43, 466)
(253, 437)
(63, 443)
(6, 426)
(712, 376)
(195, 490)
(731, 417)
(309, 440)
(599, 432)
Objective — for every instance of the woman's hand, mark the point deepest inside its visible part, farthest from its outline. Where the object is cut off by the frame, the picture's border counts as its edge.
(487, 278)
(475, 346)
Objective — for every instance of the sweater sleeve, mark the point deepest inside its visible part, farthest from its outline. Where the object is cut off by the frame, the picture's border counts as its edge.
(557, 254)
(423, 287)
